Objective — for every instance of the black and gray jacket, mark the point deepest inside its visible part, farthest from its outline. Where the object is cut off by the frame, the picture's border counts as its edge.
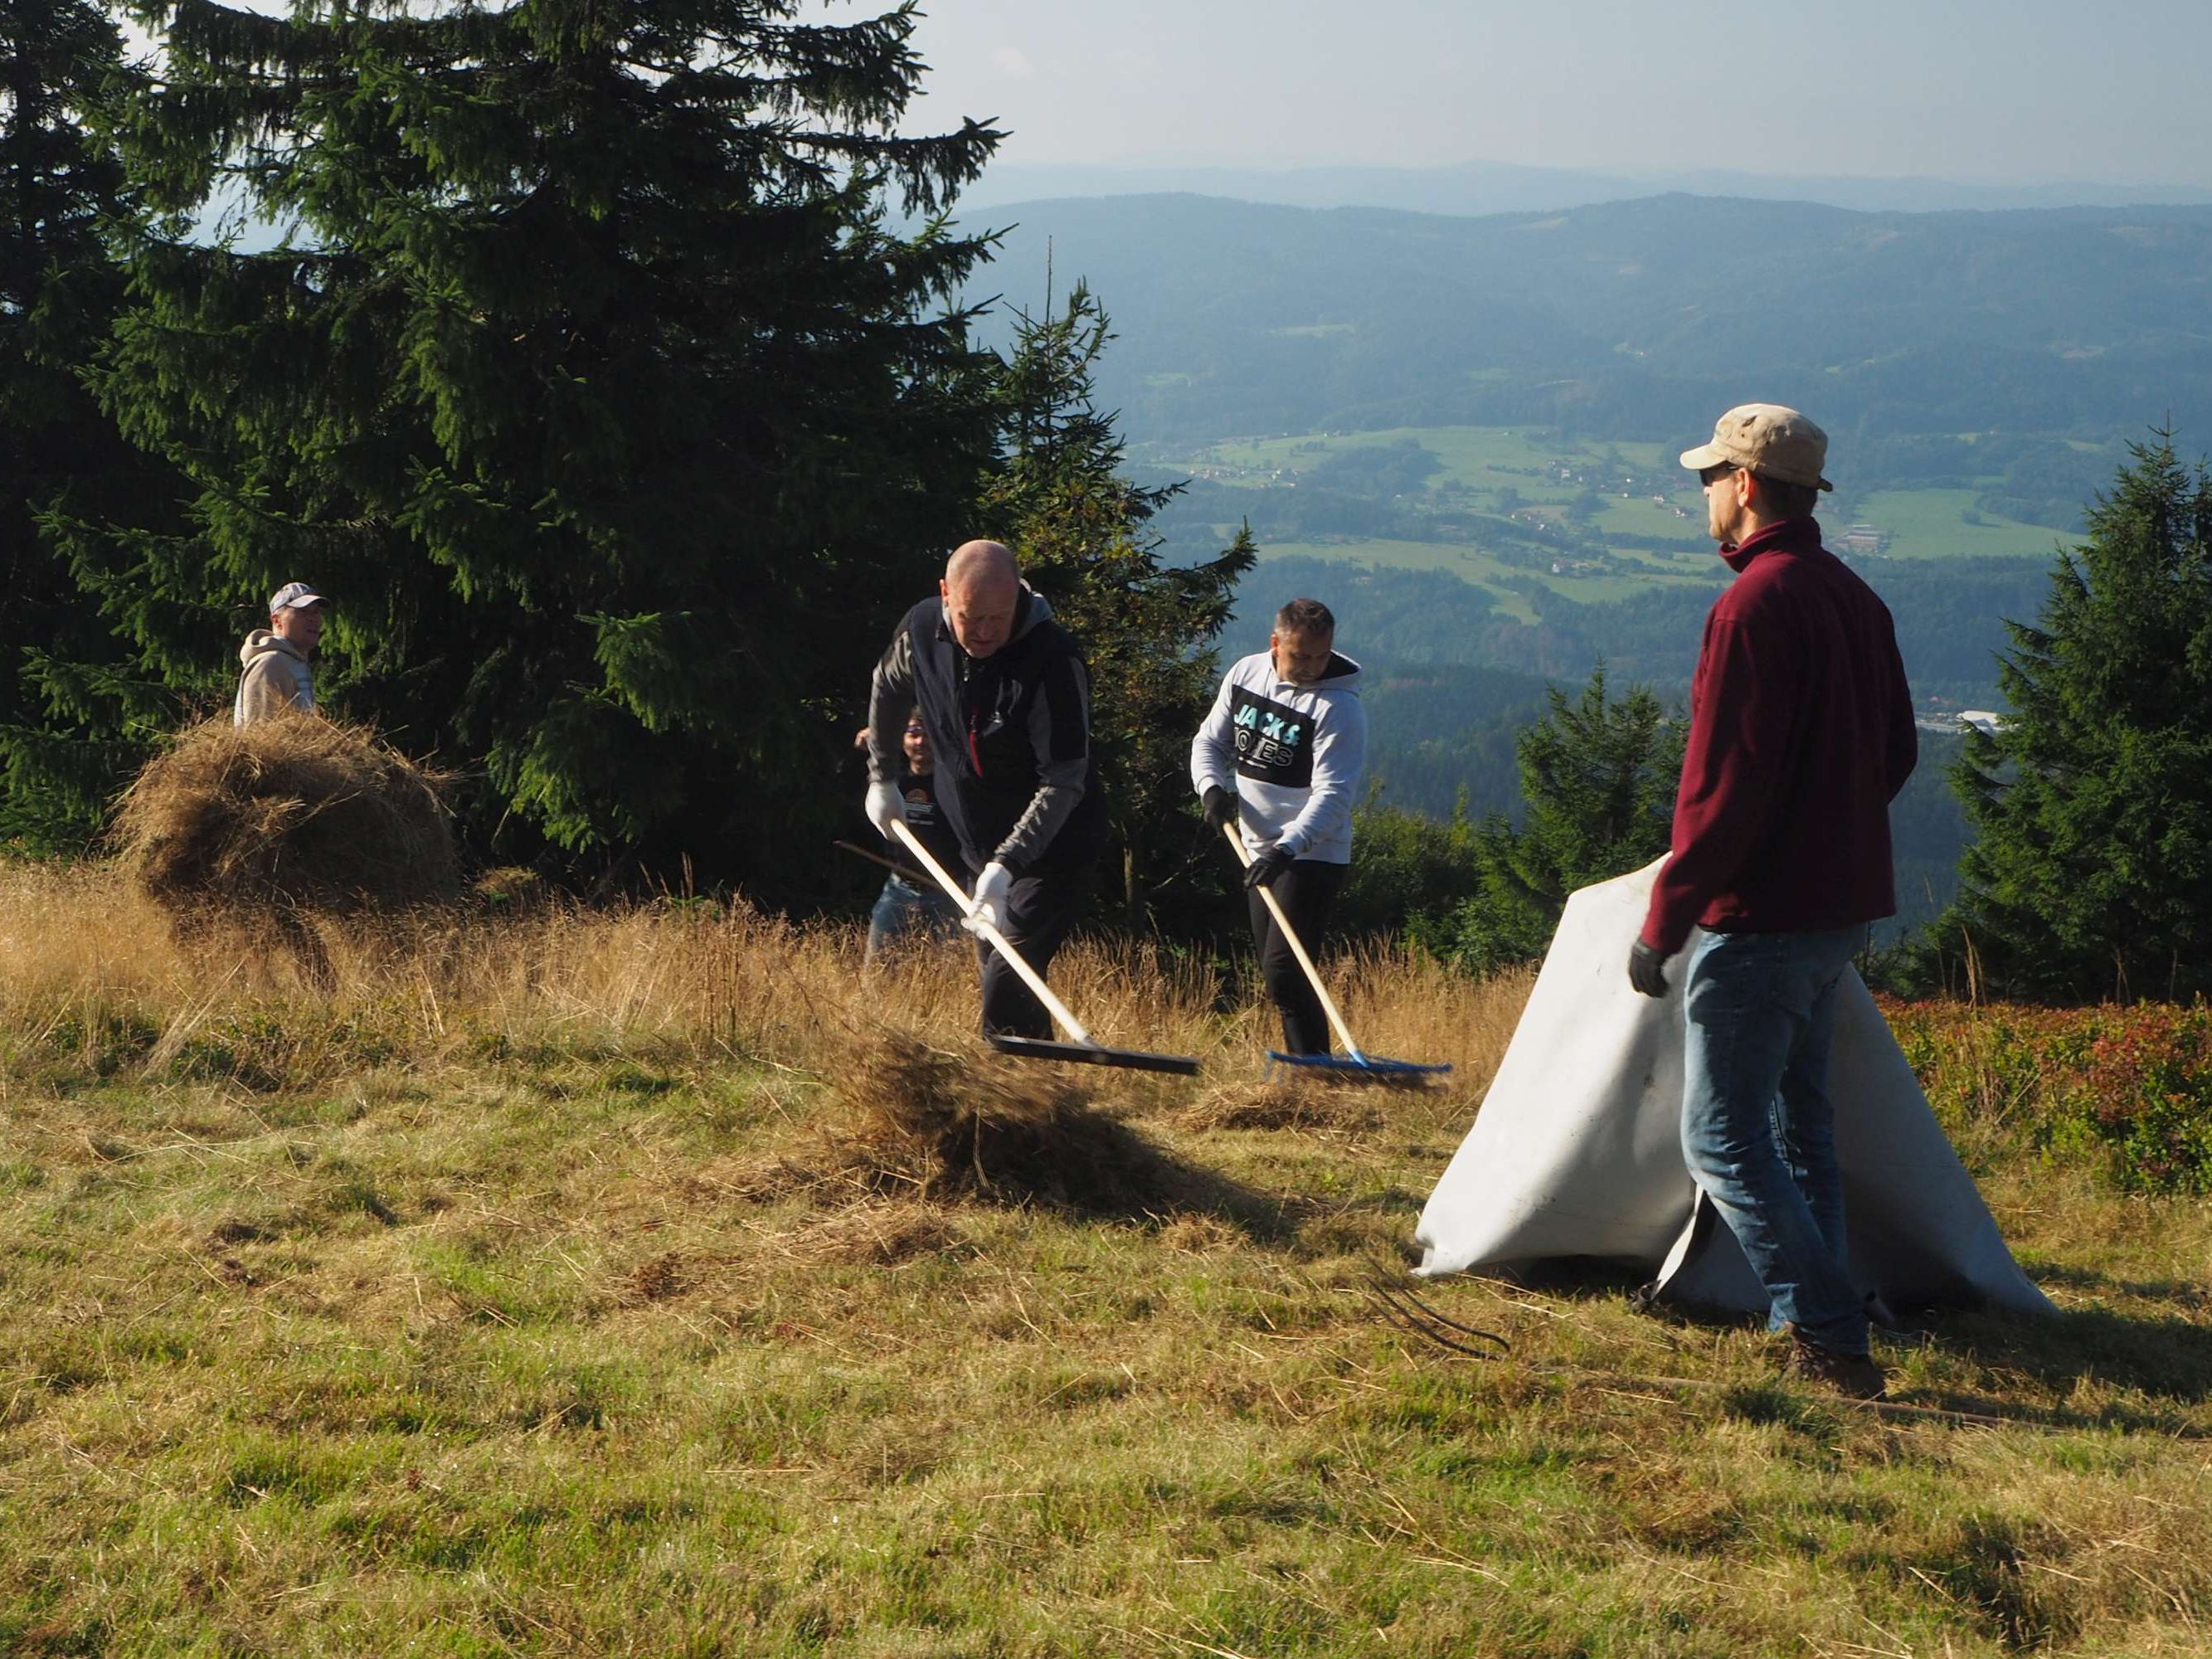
(1010, 734)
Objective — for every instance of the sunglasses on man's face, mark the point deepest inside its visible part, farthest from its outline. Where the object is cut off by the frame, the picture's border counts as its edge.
(914, 731)
(1709, 475)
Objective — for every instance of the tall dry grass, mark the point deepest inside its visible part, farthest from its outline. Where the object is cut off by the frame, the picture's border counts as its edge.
(89, 971)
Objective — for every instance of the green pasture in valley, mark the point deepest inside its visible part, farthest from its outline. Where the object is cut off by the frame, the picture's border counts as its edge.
(1930, 523)
(1535, 488)
(1473, 565)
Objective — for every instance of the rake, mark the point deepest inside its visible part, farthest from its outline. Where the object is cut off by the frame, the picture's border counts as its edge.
(1081, 1048)
(1351, 1062)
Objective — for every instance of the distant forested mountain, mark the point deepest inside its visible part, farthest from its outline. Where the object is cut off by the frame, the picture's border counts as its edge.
(1949, 621)
(1630, 319)
(1484, 187)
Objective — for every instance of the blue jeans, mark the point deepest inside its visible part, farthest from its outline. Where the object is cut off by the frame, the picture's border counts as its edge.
(902, 909)
(1757, 1128)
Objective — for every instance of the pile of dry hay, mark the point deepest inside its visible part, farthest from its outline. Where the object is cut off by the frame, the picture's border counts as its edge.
(933, 1123)
(297, 816)
(1298, 1102)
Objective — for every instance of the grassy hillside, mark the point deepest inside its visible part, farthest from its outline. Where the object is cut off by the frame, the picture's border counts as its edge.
(554, 1287)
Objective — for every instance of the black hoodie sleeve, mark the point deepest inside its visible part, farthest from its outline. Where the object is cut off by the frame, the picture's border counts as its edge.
(890, 695)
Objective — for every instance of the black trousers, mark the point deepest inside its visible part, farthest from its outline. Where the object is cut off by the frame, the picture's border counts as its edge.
(1306, 890)
(1041, 909)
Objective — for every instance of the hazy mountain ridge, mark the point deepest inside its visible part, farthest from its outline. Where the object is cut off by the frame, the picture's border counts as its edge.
(1631, 317)
(1477, 188)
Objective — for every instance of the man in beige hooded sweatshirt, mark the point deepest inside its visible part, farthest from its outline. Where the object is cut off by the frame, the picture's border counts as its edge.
(274, 660)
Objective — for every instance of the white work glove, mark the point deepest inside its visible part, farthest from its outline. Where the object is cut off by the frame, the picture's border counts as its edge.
(886, 806)
(993, 888)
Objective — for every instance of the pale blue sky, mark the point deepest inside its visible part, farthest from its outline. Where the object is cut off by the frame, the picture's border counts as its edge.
(1999, 90)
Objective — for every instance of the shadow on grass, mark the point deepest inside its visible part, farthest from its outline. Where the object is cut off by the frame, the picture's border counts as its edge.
(2166, 1358)
(959, 1127)
(2186, 1292)
(1160, 1187)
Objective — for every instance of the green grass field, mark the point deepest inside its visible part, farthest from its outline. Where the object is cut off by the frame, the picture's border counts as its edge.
(1645, 492)
(1931, 524)
(1472, 564)
(523, 1294)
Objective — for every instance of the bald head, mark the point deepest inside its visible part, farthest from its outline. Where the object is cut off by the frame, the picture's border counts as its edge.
(982, 562)
(982, 588)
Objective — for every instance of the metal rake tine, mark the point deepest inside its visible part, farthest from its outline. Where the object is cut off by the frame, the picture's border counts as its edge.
(1407, 1301)
(1429, 1318)
(1411, 1300)
(1398, 1316)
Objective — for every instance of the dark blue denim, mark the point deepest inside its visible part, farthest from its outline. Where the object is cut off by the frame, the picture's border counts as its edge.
(1758, 1125)
(901, 909)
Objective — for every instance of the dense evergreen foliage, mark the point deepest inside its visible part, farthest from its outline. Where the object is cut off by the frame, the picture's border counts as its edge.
(591, 379)
(64, 194)
(1598, 776)
(2091, 874)
(1441, 738)
(1410, 871)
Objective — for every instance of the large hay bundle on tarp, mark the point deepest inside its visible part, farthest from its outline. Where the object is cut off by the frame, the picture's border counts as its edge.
(299, 816)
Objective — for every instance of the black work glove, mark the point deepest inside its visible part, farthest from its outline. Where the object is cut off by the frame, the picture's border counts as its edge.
(1221, 807)
(1268, 866)
(1644, 969)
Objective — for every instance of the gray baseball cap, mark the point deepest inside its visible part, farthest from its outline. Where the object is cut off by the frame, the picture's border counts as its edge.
(294, 596)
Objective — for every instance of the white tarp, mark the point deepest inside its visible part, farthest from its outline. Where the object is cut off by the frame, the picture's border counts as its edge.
(1577, 1150)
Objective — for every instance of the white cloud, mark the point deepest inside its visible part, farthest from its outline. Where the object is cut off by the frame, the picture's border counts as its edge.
(1013, 61)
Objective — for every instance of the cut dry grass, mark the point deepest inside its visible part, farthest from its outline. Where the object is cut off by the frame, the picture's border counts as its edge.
(1286, 1101)
(510, 1294)
(92, 977)
(939, 1123)
(298, 815)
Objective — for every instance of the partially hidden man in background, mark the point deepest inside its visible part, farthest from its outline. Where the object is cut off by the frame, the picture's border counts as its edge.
(1005, 703)
(275, 675)
(1280, 756)
(907, 906)
(1800, 734)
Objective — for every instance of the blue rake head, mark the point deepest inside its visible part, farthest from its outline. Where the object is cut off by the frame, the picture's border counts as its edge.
(1357, 1065)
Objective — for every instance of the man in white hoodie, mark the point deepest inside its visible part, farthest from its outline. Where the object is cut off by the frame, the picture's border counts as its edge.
(274, 675)
(1280, 756)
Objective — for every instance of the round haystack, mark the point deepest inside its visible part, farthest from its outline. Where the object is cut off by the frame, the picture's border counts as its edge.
(299, 815)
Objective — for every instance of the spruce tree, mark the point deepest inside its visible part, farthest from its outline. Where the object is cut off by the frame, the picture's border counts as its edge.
(61, 195)
(589, 375)
(2090, 875)
(1599, 777)
(1146, 628)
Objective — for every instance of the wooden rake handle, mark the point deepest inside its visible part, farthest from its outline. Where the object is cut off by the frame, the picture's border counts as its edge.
(997, 940)
(1298, 949)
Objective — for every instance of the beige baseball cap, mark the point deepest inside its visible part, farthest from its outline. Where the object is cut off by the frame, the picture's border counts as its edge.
(1766, 439)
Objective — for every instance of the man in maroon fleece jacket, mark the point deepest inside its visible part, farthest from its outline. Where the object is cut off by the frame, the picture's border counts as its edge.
(1800, 734)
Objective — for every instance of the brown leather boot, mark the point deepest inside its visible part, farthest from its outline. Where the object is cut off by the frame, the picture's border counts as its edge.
(1855, 1375)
